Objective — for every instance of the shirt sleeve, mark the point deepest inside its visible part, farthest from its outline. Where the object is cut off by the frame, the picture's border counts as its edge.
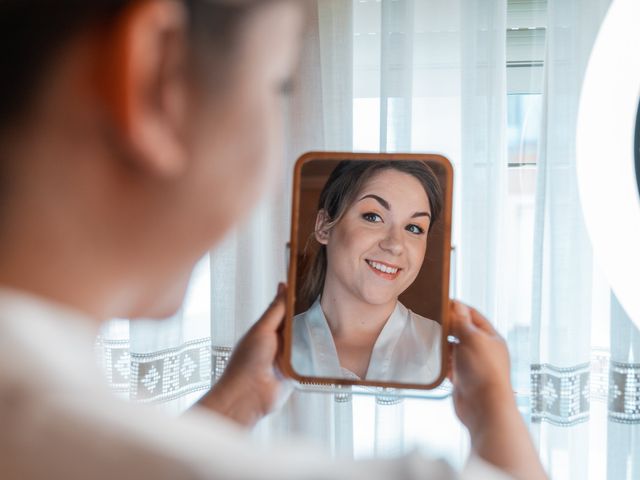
(101, 438)
(478, 469)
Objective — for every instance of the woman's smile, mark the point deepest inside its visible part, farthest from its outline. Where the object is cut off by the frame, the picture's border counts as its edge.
(383, 269)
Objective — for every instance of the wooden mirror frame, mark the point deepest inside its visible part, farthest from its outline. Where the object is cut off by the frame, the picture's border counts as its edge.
(285, 354)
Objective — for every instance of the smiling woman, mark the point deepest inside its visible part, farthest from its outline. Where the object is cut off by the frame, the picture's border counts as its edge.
(372, 222)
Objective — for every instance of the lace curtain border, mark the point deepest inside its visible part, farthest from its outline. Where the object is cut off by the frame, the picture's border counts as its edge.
(159, 376)
(562, 396)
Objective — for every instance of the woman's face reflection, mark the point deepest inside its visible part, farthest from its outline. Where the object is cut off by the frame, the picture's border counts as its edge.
(376, 250)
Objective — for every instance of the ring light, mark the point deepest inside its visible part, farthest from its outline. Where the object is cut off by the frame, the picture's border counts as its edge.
(608, 152)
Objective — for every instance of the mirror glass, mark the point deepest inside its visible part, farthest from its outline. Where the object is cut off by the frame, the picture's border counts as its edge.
(369, 270)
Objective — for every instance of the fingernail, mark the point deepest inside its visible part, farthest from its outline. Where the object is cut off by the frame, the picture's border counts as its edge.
(461, 309)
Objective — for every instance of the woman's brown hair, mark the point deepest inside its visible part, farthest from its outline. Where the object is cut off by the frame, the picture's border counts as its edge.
(33, 32)
(341, 190)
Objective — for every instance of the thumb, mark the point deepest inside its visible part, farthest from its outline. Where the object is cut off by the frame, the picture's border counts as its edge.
(461, 322)
(273, 316)
(480, 322)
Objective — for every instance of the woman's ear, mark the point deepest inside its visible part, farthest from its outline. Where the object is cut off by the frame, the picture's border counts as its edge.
(322, 229)
(143, 83)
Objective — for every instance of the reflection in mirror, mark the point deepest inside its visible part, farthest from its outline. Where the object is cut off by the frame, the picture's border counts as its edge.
(371, 264)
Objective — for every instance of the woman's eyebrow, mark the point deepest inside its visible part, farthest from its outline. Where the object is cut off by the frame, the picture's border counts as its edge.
(386, 205)
(380, 200)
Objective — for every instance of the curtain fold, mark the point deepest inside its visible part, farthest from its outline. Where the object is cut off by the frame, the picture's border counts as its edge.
(484, 155)
(396, 74)
(335, 33)
(623, 427)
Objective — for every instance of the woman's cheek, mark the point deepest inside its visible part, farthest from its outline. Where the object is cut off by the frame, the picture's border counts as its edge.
(416, 258)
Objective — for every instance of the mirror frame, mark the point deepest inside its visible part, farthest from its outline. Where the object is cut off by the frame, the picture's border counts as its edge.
(285, 354)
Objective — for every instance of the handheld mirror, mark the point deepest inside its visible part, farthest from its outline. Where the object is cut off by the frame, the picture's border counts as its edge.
(369, 270)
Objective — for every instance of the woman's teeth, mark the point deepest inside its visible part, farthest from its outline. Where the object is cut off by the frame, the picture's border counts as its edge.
(382, 268)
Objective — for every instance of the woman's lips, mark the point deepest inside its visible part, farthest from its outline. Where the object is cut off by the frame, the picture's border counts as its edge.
(384, 270)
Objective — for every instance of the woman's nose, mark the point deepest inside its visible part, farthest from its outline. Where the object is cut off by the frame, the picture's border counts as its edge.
(392, 242)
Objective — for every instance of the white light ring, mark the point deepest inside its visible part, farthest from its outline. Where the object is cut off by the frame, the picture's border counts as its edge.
(605, 157)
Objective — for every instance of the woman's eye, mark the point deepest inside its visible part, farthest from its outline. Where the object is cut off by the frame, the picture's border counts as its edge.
(372, 217)
(415, 229)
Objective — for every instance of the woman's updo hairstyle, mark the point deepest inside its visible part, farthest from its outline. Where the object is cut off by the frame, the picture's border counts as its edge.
(340, 192)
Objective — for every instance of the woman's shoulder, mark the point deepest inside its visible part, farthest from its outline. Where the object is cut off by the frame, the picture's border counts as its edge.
(300, 321)
(304, 317)
(419, 319)
(419, 345)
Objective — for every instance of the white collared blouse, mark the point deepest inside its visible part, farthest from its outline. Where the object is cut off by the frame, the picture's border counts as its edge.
(407, 350)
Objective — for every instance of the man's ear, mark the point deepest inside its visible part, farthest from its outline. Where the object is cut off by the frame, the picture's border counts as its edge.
(144, 83)
(322, 229)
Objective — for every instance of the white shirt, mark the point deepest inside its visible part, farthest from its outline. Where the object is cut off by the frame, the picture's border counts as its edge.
(58, 420)
(406, 351)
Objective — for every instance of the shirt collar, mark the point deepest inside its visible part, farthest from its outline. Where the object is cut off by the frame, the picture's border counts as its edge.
(380, 363)
(325, 355)
(326, 361)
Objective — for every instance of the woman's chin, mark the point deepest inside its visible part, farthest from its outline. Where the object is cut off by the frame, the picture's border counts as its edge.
(379, 298)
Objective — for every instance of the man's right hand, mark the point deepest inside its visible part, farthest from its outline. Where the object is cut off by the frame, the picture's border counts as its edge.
(483, 397)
